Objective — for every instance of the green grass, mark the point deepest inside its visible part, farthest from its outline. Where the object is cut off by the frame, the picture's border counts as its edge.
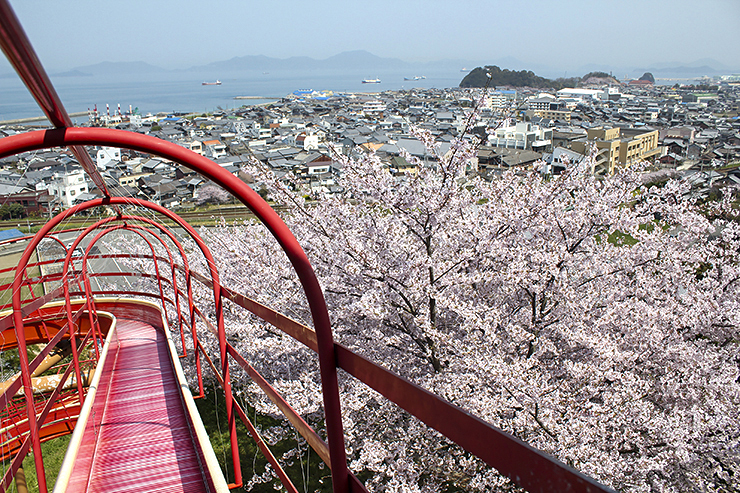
(53, 452)
(305, 469)
(11, 260)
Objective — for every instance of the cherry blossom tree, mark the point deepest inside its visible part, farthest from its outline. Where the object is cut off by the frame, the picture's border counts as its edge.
(596, 319)
(212, 194)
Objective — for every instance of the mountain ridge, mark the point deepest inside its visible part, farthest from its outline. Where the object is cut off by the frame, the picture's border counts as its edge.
(371, 64)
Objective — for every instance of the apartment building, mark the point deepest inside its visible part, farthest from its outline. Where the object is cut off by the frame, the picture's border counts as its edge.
(618, 147)
(521, 135)
(67, 185)
(500, 99)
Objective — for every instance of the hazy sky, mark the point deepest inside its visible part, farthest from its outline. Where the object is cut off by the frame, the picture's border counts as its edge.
(563, 34)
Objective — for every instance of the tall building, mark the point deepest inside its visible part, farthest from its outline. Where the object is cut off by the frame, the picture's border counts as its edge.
(522, 135)
(68, 185)
(618, 147)
(549, 108)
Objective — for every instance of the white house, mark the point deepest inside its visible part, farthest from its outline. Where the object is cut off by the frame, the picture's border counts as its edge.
(521, 135)
(196, 146)
(260, 132)
(373, 107)
(68, 185)
(106, 155)
(560, 160)
(308, 142)
(214, 149)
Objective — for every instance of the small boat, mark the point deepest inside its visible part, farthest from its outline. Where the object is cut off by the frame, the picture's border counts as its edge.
(371, 81)
(217, 83)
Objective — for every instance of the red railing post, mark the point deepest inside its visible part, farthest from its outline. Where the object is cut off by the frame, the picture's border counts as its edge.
(68, 303)
(188, 282)
(28, 390)
(184, 257)
(238, 481)
(296, 255)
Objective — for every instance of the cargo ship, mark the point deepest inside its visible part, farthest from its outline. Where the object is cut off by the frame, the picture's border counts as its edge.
(371, 81)
(217, 83)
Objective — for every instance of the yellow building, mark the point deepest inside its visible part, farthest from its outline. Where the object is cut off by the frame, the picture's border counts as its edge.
(562, 115)
(132, 180)
(618, 147)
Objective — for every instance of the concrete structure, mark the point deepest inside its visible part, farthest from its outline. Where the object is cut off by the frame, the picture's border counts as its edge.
(373, 108)
(214, 149)
(607, 94)
(541, 103)
(559, 115)
(582, 94)
(260, 132)
(107, 155)
(67, 185)
(500, 99)
(548, 107)
(521, 135)
(618, 147)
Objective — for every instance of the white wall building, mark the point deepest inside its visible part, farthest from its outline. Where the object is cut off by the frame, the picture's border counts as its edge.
(521, 135)
(589, 94)
(67, 186)
(196, 146)
(310, 142)
(260, 132)
(373, 108)
(214, 149)
(107, 155)
(578, 93)
(500, 99)
(541, 103)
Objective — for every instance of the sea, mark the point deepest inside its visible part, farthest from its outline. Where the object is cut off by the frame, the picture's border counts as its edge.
(173, 91)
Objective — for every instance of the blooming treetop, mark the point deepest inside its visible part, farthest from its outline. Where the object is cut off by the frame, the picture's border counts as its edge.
(212, 194)
(597, 319)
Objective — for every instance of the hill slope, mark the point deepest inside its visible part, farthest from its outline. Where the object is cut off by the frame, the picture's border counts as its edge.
(480, 76)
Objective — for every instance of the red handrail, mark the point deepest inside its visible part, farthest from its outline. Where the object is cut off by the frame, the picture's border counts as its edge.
(18, 317)
(109, 137)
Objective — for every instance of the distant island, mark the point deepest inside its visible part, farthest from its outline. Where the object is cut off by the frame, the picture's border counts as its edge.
(72, 73)
(647, 76)
(495, 76)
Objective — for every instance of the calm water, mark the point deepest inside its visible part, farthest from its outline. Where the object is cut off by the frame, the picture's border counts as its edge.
(183, 91)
